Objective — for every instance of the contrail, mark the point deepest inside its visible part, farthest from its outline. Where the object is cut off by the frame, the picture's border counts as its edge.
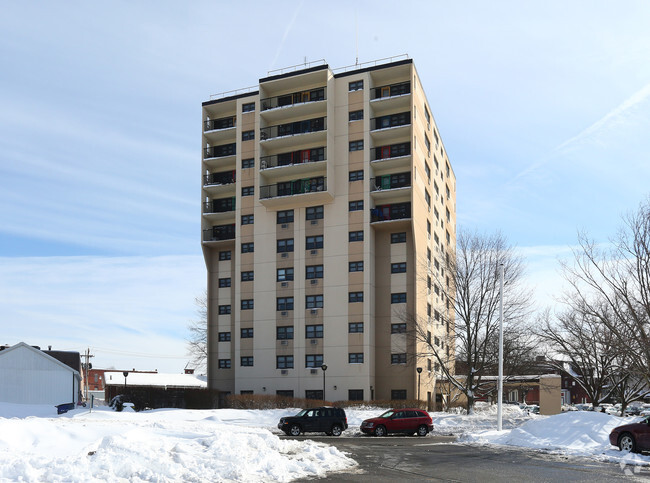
(286, 33)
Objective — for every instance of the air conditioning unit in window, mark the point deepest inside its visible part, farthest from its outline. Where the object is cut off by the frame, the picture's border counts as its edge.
(314, 282)
(284, 284)
(313, 311)
(314, 371)
(314, 222)
(284, 342)
(284, 225)
(284, 255)
(314, 342)
(314, 252)
(284, 314)
(284, 372)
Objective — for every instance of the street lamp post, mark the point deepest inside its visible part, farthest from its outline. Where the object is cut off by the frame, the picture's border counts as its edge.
(419, 369)
(324, 367)
(125, 374)
(500, 388)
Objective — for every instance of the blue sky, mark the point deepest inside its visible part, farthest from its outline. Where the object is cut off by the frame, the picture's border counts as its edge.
(544, 110)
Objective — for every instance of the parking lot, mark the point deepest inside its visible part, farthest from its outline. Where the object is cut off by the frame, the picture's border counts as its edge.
(437, 458)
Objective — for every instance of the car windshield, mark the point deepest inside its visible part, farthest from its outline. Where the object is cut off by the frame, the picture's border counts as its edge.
(387, 414)
(302, 413)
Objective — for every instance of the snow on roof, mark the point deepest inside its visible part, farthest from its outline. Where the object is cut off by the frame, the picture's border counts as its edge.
(155, 379)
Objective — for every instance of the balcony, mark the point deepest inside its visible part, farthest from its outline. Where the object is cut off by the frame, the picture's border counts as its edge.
(219, 124)
(282, 193)
(390, 187)
(287, 100)
(221, 151)
(390, 121)
(296, 162)
(394, 211)
(219, 233)
(392, 90)
(222, 205)
(282, 134)
(221, 178)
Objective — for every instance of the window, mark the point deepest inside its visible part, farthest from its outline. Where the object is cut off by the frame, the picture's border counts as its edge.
(356, 115)
(225, 255)
(314, 302)
(285, 216)
(398, 358)
(313, 271)
(355, 205)
(246, 361)
(356, 175)
(224, 282)
(398, 298)
(398, 328)
(427, 143)
(354, 297)
(284, 362)
(398, 237)
(248, 107)
(436, 315)
(246, 392)
(428, 310)
(284, 274)
(224, 363)
(285, 245)
(284, 333)
(284, 303)
(224, 336)
(398, 267)
(427, 198)
(247, 247)
(398, 394)
(355, 358)
(355, 394)
(356, 145)
(427, 171)
(447, 237)
(314, 242)
(354, 236)
(247, 135)
(447, 215)
(314, 213)
(314, 360)
(355, 327)
(247, 219)
(248, 276)
(248, 191)
(355, 85)
(247, 163)
(284, 393)
(314, 394)
(247, 333)
(314, 331)
(427, 115)
(355, 266)
(247, 304)
(224, 309)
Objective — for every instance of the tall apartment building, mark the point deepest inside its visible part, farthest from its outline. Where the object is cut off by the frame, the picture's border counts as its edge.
(327, 200)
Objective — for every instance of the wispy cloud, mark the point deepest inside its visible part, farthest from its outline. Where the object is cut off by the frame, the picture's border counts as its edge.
(286, 34)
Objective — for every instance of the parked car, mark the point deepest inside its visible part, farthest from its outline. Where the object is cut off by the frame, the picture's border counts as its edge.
(408, 421)
(328, 420)
(633, 437)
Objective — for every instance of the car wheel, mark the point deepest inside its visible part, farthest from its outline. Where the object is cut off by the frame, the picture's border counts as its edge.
(336, 430)
(380, 431)
(422, 430)
(626, 443)
(295, 430)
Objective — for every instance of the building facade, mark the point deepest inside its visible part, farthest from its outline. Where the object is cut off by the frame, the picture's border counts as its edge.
(327, 201)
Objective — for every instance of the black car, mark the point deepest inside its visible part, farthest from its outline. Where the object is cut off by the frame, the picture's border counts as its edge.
(328, 420)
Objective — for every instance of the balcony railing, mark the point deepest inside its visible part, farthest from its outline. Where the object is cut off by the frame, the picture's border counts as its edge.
(221, 205)
(391, 90)
(391, 151)
(223, 177)
(221, 123)
(219, 232)
(296, 157)
(396, 211)
(390, 181)
(294, 187)
(301, 97)
(391, 120)
(220, 151)
(293, 128)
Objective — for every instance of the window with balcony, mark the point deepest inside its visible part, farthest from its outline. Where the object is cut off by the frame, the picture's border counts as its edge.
(314, 331)
(391, 120)
(314, 242)
(284, 333)
(355, 236)
(392, 151)
(221, 123)
(284, 303)
(355, 297)
(284, 362)
(313, 272)
(395, 211)
(355, 327)
(284, 216)
(392, 90)
(220, 151)
(246, 333)
(293, 128)
(220, 178)
(313, 301)
(285, 245)
(314, 360)
(248, 276)
(355, 266)
(295, 157)
(284, 274)
(292, 98)
(392, 181)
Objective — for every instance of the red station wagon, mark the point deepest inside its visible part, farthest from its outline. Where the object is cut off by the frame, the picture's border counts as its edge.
(408, 421)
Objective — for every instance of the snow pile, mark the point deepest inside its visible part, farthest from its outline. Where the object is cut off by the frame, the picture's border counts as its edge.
(483, 418)
(162, 445)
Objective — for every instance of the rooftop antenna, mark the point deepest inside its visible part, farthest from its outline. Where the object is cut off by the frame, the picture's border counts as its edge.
(356, 38)
(305, 61)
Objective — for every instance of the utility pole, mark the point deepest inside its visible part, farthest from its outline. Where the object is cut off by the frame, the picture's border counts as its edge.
(87, 355)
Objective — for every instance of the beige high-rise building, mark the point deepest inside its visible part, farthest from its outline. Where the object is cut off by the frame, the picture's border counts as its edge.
(328, 202)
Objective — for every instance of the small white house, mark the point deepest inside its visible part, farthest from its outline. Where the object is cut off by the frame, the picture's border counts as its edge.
(29, 376)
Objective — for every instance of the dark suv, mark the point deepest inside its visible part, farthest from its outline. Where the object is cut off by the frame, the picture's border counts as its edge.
(408, 421)
(328, 420)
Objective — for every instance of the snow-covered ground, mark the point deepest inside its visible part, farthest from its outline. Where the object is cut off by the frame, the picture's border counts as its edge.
(243, 445)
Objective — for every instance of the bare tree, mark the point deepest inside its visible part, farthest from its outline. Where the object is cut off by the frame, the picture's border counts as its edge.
(613, 285)
(197, 343)
(470, 287)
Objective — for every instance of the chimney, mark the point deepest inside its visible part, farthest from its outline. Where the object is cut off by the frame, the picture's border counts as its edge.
(49, 347)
